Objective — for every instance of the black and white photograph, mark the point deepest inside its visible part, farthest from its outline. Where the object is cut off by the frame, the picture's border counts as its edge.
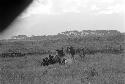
(62, 42)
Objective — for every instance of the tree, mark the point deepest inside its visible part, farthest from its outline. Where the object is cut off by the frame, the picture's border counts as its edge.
(19, 37)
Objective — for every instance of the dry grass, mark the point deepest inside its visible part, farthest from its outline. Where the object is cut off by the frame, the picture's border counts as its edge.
(94, 69)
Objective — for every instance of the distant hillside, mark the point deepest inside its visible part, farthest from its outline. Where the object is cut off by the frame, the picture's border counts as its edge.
(71, 34)
(91, 33)
(98, 40)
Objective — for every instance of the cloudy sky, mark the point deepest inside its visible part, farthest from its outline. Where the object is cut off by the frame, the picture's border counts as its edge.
(54, 16)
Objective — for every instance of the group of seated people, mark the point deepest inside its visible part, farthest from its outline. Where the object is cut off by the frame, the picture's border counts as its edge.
(55, 59)
(49, 60)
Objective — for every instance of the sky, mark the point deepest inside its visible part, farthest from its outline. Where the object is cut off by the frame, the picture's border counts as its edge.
(48, 17)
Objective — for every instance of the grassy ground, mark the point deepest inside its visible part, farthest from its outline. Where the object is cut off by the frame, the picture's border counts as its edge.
(93, 69)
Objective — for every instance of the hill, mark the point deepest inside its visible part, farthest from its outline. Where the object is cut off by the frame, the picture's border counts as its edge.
(103, 63)
(98, 40)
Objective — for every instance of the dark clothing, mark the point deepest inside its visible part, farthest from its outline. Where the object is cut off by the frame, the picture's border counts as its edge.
(72, 50)
(60, 53)
(83, 51)
(51, 60)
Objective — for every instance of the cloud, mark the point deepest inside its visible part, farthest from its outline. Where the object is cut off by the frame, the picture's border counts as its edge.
(54, 7)
(117, 8)
(38, 7)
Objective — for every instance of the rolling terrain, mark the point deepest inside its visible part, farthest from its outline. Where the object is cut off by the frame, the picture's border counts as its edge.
(104, 62)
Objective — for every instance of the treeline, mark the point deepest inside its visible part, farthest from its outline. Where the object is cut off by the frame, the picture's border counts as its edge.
(113, 43)
(86, 35)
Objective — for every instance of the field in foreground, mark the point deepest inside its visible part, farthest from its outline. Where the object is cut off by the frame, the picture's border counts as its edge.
(93, 69)
(104, 63)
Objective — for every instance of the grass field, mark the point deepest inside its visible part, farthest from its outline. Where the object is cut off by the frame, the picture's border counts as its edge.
(93, 69)
(104, 63)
